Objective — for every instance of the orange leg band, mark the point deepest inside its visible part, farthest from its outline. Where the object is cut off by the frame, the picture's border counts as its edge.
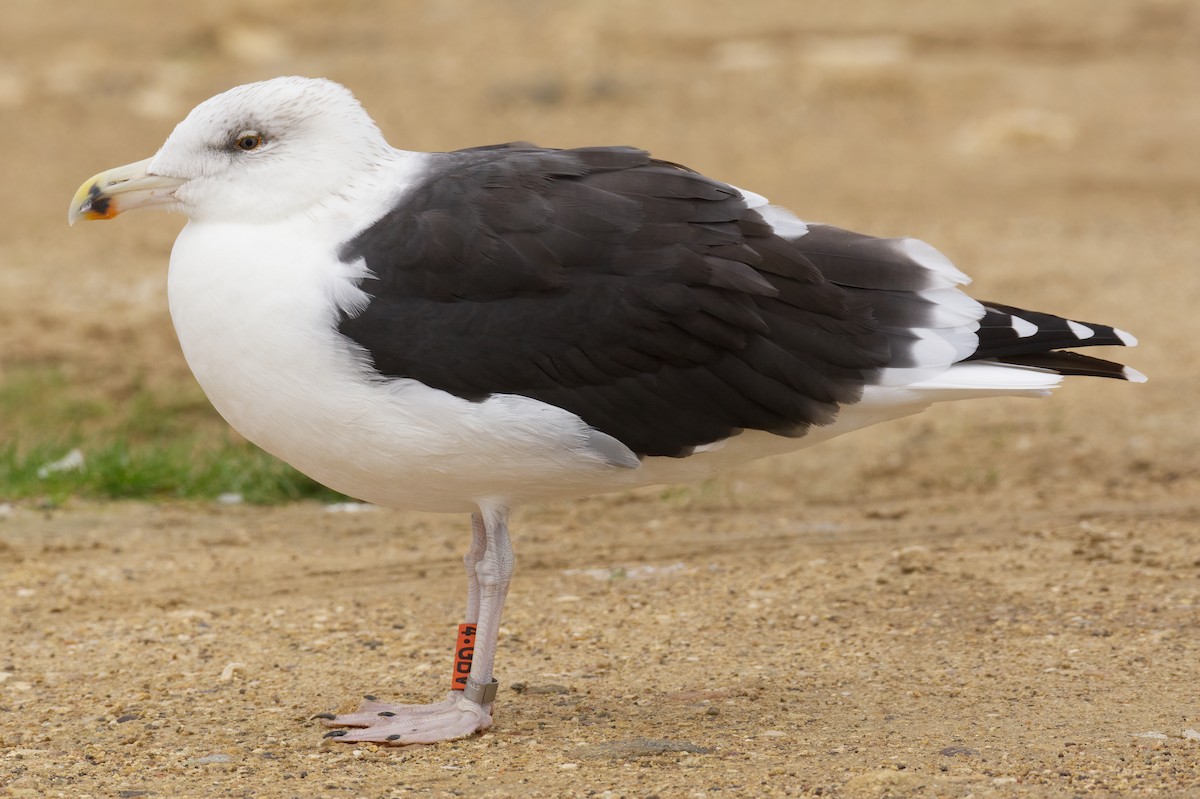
(462, 657)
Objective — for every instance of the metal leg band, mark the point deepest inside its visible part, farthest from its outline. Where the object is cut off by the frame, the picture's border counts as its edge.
(480, 693)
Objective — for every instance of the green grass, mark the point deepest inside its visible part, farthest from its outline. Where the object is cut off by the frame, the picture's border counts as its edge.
(137, 442)
(178, 469)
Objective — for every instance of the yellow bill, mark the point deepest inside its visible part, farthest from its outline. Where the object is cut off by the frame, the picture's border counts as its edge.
(122, 189)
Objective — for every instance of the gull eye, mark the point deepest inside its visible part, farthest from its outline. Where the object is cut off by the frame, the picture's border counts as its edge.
(248, 140)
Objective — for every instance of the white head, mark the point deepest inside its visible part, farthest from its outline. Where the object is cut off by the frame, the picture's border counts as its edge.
(253, 153)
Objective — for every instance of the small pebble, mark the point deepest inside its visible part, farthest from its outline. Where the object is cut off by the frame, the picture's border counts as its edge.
(215, 758)
(348, 507)
(231, 669)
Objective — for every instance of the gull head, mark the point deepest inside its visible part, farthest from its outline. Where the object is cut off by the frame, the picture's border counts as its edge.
(255, 153)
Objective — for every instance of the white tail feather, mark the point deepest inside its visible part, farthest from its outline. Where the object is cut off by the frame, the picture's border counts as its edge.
(990, 378)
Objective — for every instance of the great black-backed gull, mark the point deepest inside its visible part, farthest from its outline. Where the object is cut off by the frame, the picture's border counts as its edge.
(467, 331)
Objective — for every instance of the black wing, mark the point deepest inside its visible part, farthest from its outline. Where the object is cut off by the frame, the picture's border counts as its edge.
(645, 298)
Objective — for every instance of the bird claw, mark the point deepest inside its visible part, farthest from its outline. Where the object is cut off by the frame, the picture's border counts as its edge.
(453, 717)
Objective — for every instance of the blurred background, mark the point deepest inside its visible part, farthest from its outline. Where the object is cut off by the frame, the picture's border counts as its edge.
(1049, 149)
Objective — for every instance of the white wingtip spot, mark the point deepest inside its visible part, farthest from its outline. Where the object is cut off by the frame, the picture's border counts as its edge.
(1128, 339)
(1081, 331)
(1024, 328)
(1133, 375)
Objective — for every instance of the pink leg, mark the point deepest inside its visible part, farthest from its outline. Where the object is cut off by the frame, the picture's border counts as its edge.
(489, 564)
(372, 711)
(475, 552)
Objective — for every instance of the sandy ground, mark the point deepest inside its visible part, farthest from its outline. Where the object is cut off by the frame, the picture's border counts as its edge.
(992, 600)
